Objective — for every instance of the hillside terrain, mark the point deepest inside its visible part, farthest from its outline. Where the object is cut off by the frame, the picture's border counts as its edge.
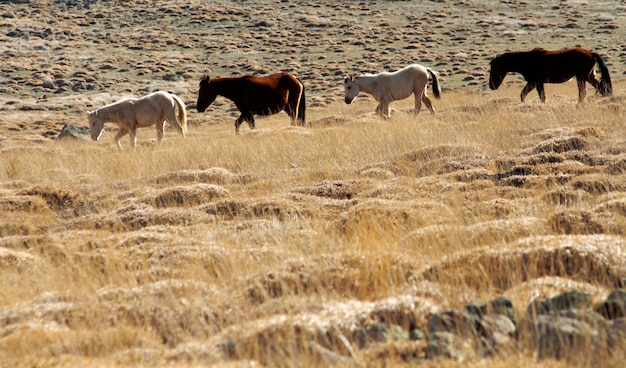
(489, 234)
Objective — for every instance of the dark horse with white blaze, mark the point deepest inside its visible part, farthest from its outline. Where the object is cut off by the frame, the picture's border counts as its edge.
(255, 95)
(540, 66)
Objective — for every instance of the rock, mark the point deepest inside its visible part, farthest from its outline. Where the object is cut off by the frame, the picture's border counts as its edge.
(498, 324)
(614, 306)
(500, 305)
(70, 130)
(47, 84)
(494, 325)
(584, 315)
(503, 306)
(444, 344)
(561, 337)
(565, 301)
(379, 332)
(617, 334)
(459, 323)
(416, 334)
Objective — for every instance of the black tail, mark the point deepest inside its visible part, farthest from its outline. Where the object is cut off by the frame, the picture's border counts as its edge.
(604, 87)
(302, 106)
(436, 85)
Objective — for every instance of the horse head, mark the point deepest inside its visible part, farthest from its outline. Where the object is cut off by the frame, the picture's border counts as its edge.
(351, 89)
(497, 73)
(206, 95)
(96, 124)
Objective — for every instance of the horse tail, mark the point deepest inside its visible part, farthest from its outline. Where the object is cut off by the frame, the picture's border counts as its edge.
(182, 113)
(301, 104)
(604, 87)
(436, 85)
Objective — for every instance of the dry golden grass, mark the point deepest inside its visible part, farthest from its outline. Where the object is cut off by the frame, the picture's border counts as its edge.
(275, 245)
(291, 246)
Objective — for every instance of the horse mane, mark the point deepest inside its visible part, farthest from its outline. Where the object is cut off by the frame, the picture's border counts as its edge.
(114, 105)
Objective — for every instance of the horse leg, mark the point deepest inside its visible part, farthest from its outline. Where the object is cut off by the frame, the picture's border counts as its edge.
(292, 102)
(418, 102)
(159, 129)
(250, 120)
(292, 112)
(120, 133)
(582, 91)
(379, 109)
(246, 116)
(591, 78)
(171, 120)
(238, 122)
(529, 87)
(428, 103)
(133, 138)
(383, 109)
(541, 91)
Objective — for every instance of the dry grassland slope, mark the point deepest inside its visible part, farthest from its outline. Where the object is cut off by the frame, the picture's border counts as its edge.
(353, 241)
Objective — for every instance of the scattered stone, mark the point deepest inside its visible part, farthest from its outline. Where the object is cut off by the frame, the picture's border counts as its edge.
(444, 344)
(74, 131)
(559, 337)
(566, 301)
(48, 84)
(615, 305)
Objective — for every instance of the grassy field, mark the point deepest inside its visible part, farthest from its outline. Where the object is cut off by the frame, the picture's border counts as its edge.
(211, 248)
(334, 244)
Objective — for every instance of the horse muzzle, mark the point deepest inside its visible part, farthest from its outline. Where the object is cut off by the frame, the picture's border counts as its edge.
(349, 100)
(96, 136)
(495, 83)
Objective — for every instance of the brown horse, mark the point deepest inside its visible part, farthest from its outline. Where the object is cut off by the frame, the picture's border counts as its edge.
(256, 96)
(540, 66)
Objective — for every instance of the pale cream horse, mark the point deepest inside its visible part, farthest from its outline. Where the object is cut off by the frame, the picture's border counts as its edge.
(130, 114)
(387, 87)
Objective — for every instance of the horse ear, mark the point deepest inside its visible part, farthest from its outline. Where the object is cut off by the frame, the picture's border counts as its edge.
(347, 79)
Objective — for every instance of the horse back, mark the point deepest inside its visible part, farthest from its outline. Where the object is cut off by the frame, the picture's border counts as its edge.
(555, 66)
(266, 95)
(402, 83)
(151, 108)
(276, 81)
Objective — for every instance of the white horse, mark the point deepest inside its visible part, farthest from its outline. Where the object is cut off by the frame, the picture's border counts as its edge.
(387, 87)
(130, 114)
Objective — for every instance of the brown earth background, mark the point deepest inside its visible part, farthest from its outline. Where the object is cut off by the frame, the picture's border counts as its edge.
(329, 244)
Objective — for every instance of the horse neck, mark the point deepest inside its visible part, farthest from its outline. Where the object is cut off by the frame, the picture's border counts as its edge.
(227, 87)
(109, 112)
(516, 61)
(367, 83)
